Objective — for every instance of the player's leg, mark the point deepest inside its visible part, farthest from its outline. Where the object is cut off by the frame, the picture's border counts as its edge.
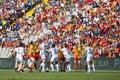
(93, 67)
(51, 63)
(79, 64)
(32, 63)
(43, 65)
(68, 64)
(88, 63)
(63, 65)
(37, 58)
(16, 64)
(20, 60)
(43, 62)
(85, 63)
(23, 66)
(20, 66)
(29, 61)
(35, 65)
(75, 61)
(57, 66)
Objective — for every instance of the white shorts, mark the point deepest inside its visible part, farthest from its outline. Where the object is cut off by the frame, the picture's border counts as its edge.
(43, 57)
(67, 59)
(54, 58)
(19, 58)
(89, 57)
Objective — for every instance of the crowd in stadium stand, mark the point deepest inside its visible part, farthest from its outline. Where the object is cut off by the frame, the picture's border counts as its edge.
(71, 22)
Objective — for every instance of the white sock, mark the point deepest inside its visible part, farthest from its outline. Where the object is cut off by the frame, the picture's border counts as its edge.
(93, 67)
(57, 67)
(69, 67)
(43, 66)
(29, 62)
(52, 67)
(16, 63)
(40, 66)
(88, 68)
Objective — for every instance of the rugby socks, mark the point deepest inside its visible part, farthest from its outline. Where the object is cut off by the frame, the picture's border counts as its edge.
(51, 65)
(57, 67)
(93, 67)
(69, 67)
(88, 68)
(43, 66)
(16, 64)
(29, 62)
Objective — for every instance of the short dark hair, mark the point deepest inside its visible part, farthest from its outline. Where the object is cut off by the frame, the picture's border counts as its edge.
(65, 45)
(21, 44)
(31, 42)
(53, 45)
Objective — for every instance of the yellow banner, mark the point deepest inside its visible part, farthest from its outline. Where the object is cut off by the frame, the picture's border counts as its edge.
(46, 1)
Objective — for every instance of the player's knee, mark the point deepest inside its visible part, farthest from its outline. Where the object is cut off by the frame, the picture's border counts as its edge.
(74, 61)
(51, 62)
(33, 60)
(43, 61)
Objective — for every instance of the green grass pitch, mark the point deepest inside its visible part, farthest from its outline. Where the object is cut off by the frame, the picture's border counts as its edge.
(35, 75)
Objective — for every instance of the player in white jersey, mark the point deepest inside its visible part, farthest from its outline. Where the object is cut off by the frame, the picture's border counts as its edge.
(89, 59)
(67, 57)
(54, 57)
(43, 57)
(19, 58)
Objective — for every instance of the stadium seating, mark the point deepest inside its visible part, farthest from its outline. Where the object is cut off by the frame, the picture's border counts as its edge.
(94, 22)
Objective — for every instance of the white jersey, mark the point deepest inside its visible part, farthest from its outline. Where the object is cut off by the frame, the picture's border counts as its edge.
(42, 51)
(89, 50)
(42, 46)
(65, 52)
(42, 54)
(89, 53)
(67, 56)
(53, 51)
(54, 54)
(19, 53)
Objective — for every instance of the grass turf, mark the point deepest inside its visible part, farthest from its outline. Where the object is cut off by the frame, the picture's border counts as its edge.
(35, 75)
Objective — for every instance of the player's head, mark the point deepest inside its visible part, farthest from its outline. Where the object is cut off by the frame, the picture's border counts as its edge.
(31, 42)
(20, 44)
(89, 44)
(53, 45)
(64, 45)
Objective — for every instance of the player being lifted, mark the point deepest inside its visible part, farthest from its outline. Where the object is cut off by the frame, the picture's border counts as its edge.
(89, 59)
(54, 57)
(67, 57)
(19, 58)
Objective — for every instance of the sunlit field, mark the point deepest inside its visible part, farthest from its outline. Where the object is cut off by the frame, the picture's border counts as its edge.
(82, 75)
